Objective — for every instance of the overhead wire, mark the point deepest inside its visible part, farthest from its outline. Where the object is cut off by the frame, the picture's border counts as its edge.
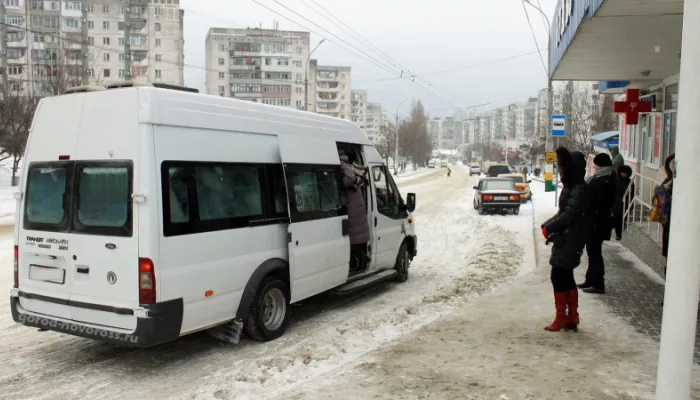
(534, 37)
(370, 59)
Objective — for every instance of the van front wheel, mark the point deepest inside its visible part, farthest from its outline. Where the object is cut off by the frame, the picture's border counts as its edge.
(269, 314)
(402, 263)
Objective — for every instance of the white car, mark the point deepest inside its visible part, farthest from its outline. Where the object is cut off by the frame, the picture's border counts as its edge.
(147, 213)
(474, 169)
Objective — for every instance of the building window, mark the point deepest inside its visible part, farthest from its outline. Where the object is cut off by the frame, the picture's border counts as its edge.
(106, 73)
(121, 73)
(299, 77)
(121, 41)
(222, 89)
(157, 42)
(16, 20)
(158, 11)
(11, 3)
(122, 57)
(105, 57)
(91, 24)
(72, 23)
(105, 40)
(222, 75)
(105, 9)
(159, 57)
(14, 70)
(105, 25)
(300, 50)
(158, 74)
(222, 47)
(90, 8)
(222, 61)
(158, 27)
(91, 41)
(72, 5)
(268, 61)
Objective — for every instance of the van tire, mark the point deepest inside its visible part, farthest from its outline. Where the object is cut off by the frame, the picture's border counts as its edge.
(274, 292)
(402, 264)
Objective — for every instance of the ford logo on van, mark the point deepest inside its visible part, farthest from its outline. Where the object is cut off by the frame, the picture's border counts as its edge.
(111, 278)
(111, 246)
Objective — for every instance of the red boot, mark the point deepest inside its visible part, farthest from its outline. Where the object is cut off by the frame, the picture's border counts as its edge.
(560, 302)
(572, 313)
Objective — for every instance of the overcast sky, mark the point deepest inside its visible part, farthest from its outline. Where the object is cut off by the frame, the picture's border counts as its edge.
(442, 37)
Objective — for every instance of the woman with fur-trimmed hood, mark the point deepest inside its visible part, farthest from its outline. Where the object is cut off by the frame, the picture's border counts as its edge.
(567, 230)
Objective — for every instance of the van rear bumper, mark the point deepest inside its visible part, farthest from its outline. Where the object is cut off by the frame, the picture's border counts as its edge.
(162, 323)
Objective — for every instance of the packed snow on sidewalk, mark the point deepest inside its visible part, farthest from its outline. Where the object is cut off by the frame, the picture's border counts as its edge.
(461, 256)
(8, 204)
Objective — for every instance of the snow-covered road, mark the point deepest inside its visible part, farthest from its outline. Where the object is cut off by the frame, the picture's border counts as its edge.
(461, 254)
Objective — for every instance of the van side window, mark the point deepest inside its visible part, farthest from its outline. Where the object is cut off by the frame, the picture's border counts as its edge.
(179, 202)
(228, 192)
(207, 196)
(314, 192)
(388, 196)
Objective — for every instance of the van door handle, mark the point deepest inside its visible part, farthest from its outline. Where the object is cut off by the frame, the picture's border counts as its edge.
(375, 222)
(83, 270)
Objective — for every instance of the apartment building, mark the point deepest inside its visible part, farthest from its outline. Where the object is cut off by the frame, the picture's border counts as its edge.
(508, 121)
(496, 125)
(359, 108)
(259, 65)
(435, 131)
(525, 119)
(374, 122)
(51, 45)
(542, 117)
(331, 90)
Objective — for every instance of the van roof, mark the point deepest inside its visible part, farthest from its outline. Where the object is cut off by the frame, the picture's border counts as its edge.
(181, 108)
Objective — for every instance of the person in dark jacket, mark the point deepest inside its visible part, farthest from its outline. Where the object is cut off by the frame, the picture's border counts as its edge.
(567, 231)
(622, 202)
(666, 228)
(603, 188)
(358, 225)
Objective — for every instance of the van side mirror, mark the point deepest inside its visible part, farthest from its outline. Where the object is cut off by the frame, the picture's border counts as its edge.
(529, 181)
(475, 187)
(411, 202)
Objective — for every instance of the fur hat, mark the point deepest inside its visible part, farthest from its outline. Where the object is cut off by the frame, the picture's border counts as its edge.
(602, 160)
(625, 169)
(573, 166)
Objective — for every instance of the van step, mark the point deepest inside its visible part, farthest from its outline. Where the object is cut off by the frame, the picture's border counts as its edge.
(364, 282)
(229, 332)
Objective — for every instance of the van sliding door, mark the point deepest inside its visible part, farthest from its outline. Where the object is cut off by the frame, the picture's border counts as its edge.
(319, 252)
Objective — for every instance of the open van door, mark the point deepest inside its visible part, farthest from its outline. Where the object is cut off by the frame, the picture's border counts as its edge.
(319, 247)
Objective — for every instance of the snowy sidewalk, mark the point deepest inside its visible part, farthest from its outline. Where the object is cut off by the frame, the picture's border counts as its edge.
(496, 348)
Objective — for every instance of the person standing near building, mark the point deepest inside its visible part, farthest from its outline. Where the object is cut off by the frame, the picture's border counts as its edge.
(669, 167)
(603, 189)
(567, 231)
(622, 202)
(617, 160)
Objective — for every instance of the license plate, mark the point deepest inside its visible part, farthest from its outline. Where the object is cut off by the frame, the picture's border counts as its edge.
(501, 198)
(47, 274)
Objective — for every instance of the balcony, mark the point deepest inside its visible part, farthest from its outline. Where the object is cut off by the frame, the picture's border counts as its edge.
(326, 106)
(325, 96)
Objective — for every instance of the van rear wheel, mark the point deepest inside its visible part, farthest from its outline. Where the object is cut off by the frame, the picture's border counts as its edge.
(269, 314)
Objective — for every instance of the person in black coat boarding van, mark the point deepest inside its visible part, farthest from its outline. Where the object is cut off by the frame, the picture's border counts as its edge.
(567, 231)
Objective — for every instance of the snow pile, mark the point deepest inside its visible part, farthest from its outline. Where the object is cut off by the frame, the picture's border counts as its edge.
(8, 204)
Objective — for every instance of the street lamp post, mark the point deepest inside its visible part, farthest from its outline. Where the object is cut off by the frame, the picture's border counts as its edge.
(396, 138)
(306, 76)
(549, 185)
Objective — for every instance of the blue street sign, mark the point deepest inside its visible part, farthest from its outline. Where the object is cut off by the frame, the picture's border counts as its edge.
(558, 125)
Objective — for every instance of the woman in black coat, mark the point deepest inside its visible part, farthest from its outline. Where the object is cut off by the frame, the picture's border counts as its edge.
(567, 231)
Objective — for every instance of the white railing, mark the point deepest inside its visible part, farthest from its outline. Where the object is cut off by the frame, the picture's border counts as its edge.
(638, 209)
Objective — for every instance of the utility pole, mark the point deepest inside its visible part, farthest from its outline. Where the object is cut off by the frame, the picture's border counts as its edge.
(675, 368)
(127, 40)
(3, 53)
(306, 76)
(84, 48)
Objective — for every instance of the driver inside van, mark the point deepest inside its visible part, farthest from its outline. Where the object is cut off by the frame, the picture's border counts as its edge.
(358, 225)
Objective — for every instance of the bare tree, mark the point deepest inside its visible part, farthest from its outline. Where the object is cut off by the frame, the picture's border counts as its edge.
(387, 141)
(16, 114)
(579, 106)
(413, 135)
(606, 120)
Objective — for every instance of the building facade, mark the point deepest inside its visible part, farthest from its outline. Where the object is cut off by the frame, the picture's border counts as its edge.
(525, 119)
(375, 122)
(332, 90)
(51, 45)
(359, 105)
(260, 65)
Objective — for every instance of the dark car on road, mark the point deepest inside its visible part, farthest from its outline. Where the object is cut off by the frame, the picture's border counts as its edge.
(496, 195)
(498, 169)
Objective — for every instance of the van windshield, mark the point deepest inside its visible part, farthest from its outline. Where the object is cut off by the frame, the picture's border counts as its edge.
(83, 197)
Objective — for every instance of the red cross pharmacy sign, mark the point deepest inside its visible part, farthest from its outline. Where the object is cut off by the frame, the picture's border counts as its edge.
(632, 107)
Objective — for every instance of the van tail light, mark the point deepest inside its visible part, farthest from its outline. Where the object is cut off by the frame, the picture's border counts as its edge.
(515, 197)
(487, 197)
(16, 266)
(147, 281)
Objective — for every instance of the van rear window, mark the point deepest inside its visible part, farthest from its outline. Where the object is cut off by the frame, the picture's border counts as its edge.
(103, 197)
(46, 190)
(90, 197)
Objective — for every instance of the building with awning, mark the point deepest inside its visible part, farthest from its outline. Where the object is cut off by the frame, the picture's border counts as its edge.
(626, 44)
